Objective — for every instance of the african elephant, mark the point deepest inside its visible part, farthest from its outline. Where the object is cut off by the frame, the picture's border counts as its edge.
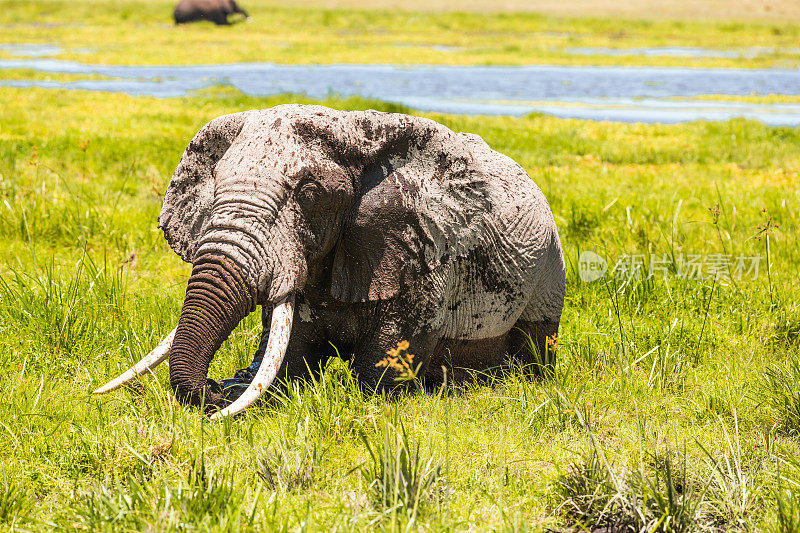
(357, 230)
(216, 11)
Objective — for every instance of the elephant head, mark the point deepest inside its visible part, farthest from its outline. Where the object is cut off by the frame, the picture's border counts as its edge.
(264, 203)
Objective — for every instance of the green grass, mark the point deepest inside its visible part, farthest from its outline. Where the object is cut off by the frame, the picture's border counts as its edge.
(140, 32)
(32, 74)
(696, 375)
(674, 404)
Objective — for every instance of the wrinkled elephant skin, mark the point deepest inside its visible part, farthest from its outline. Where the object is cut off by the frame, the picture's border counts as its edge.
(362, 230)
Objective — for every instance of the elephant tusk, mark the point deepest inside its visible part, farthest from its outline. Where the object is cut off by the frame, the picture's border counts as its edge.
(148, 362)
(279, 331)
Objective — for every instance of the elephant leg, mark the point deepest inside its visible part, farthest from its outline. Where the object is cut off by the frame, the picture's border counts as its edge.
(465, 359)
(306, 354)
(376, 368)
(220, 18)
(533, 344)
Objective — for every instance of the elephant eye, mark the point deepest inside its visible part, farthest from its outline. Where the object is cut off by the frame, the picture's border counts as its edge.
(308, 193)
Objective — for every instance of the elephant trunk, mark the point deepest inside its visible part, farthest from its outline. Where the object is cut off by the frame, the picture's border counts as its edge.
(217, 299)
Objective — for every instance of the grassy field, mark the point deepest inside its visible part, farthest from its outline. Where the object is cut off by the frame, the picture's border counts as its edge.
(674, 404)
(673, 399)
(141, 32)
(641, 9)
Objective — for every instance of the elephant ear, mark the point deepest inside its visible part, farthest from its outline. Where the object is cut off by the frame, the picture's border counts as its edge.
(414, 212)
(190, 194)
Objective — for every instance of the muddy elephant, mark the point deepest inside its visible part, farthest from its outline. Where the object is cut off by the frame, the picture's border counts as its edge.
(362, 230)
(216, 11)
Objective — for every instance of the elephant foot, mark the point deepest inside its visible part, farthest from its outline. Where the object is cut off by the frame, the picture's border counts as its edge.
(232, 389)
(235, 386)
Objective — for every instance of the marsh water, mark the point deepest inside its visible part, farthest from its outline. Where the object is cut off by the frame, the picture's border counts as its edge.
(625, 94)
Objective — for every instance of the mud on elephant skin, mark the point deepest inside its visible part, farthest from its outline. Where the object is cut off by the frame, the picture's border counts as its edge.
(362, 229)
(216, 11)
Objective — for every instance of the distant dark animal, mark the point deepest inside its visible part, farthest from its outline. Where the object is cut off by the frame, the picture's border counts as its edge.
(215, 11)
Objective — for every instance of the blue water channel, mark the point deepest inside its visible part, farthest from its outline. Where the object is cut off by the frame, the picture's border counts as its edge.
(624, 94)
